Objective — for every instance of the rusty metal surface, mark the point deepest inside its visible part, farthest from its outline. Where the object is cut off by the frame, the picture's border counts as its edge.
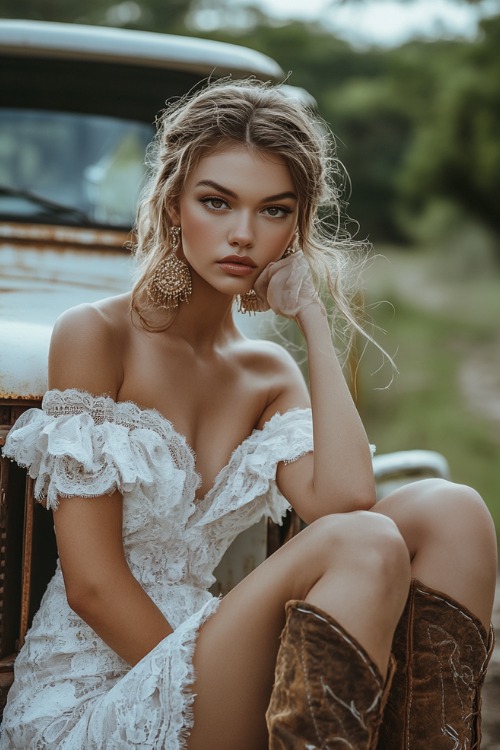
(52, 236)
(27, 560)
(38, 283)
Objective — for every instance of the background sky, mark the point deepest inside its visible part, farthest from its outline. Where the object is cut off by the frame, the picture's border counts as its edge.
(384, 22)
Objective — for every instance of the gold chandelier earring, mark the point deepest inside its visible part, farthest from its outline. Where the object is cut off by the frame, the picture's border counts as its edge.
(291, 249)
(249, 303)
(171, 282)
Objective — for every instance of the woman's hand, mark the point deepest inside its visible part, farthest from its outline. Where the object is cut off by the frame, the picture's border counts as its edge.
(286, 286)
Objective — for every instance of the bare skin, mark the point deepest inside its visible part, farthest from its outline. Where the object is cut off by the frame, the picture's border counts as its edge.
(354, 564)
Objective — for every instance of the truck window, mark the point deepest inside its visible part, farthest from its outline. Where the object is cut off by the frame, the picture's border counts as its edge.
(71, 167)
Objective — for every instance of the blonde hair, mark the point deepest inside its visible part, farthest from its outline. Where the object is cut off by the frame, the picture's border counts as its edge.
(261, 116)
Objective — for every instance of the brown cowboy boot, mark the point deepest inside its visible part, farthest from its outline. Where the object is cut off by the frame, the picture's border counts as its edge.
(328, 694)
(442, 651)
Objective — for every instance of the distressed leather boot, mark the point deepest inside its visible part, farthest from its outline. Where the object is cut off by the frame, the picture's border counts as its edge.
(328, 694)
(442, 651)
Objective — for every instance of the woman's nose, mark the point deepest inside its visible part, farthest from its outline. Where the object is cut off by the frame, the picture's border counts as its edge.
(241, 233)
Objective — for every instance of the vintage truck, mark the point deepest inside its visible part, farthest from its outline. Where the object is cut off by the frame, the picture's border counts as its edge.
(77, 113)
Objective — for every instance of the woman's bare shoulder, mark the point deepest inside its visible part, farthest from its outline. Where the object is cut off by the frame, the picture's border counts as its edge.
(268, 357)
(284, 383)
(86, 349)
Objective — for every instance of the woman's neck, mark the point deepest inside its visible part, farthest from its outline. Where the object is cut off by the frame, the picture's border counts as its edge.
(205, 321)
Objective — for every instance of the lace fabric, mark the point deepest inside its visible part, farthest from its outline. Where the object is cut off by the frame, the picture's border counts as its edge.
(71, 691)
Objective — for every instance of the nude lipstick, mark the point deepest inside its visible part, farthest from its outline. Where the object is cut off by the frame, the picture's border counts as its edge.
(237, 265)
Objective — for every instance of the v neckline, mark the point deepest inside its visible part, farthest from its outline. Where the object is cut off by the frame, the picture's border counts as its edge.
(202, 501)
(165, 421)
(197, 501)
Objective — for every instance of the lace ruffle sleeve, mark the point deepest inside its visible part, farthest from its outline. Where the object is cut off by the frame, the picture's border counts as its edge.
(286, 437)
(83, 445)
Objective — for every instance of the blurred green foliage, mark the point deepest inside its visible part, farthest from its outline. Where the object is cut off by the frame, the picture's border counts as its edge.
(443, 333)
(415, 124)
(152, 15)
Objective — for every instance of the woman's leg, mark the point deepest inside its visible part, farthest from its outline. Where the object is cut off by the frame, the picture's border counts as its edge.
(354, 567)
(451, 539)
(442, 643)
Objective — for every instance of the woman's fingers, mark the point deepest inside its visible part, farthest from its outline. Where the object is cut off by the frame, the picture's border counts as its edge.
(286, 286)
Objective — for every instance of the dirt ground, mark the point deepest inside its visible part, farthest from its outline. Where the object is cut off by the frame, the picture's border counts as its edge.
(491, 692)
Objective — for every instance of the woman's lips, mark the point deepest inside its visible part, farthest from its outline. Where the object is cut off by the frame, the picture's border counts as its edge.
(236, 265)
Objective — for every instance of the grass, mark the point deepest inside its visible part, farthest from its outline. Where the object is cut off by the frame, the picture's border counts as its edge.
(436, 337)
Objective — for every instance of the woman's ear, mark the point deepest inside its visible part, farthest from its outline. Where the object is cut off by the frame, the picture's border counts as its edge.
(174, 217)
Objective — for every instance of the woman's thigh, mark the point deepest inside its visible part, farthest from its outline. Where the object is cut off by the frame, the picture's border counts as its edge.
(236, 649)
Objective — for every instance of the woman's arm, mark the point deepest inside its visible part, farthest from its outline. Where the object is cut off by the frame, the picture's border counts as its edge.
(339, 475)
(99, 585)
(85, 354)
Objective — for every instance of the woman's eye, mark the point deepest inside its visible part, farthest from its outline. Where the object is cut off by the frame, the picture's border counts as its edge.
(214, 204)
(278, 212)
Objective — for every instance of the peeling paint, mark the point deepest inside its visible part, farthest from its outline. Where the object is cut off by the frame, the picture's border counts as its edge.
(51, 236)
(23, 369)
(37, 285)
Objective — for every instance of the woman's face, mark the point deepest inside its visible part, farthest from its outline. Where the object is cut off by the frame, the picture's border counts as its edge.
(238, 213)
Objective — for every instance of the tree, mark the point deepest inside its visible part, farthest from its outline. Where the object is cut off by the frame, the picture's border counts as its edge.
(156, 15)
(456, 150)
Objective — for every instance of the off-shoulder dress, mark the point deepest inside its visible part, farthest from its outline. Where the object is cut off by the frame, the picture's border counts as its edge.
(71, 691)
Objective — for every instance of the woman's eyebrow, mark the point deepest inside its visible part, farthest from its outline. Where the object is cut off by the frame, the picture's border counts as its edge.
(226, 191)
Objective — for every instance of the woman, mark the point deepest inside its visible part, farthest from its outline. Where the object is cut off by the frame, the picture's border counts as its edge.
(183, 433)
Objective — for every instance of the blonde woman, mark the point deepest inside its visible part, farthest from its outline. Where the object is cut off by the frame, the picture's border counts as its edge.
(165, 433)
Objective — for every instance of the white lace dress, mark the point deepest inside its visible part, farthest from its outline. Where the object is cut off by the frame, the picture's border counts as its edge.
(70, 689)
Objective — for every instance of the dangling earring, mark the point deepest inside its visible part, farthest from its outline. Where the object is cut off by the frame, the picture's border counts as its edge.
(249, 303)
(289, 251)
(171, 282)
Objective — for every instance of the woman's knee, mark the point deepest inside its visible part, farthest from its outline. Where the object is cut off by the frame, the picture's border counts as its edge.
(451, 537)
(450, 497)
(463, 511)
(370, 542)
(437, 513)
(440, 504)
(385, 552)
